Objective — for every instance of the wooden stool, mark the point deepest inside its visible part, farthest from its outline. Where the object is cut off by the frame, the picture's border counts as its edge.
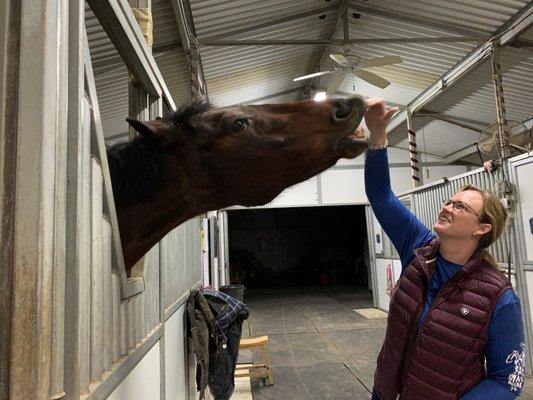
(255, 370)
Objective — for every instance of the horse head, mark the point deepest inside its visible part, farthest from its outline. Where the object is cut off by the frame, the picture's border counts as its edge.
(202, 159)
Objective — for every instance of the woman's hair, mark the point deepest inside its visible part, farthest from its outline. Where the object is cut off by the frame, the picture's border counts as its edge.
(493, 213)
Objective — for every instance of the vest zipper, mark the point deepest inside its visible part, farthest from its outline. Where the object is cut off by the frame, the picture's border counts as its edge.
(408, 362)
(409, 348)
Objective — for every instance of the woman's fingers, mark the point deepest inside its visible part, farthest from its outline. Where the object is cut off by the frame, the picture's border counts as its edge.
(378, 115)
(374, 100)
(390, 112)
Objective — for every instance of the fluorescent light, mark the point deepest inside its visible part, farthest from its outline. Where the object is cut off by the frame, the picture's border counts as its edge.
(320, 96)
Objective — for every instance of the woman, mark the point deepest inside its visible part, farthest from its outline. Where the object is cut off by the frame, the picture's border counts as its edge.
(452, 310)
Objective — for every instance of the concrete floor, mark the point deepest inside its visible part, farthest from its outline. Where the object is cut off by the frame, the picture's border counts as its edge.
(320, 348)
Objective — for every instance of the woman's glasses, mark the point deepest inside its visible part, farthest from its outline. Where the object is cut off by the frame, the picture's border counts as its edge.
(461, 206)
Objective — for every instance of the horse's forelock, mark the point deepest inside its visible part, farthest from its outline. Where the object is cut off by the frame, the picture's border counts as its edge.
(184, 115)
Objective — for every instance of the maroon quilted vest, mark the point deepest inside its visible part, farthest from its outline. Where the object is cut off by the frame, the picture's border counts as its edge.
(445, 358)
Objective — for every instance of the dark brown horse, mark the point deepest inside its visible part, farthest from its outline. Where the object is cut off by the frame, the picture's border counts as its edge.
(202, 159)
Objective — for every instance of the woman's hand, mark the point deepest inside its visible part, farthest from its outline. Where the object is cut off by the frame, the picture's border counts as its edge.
(377, 117)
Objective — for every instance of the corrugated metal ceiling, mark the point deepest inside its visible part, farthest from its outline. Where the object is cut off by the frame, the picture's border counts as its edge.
(423, 63)
(476, 15)
(111, 74)
(257, 74)
(244, 73)
(221, 17)
(111, 78)
(472, 101)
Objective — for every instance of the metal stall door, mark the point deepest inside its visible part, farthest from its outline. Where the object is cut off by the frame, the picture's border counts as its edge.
(107, 313)
(521, 169)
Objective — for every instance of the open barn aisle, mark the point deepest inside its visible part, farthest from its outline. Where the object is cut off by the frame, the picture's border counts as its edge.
(320, 348)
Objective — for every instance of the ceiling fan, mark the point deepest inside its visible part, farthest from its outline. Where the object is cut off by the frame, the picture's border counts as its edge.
(358, 68)
(520, 139)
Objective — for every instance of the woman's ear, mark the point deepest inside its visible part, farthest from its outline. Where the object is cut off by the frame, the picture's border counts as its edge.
(482, 229)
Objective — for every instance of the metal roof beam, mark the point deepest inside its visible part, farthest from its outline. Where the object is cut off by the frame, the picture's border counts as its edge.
(519, 25)
(185, 21)
(457, 155)
(338, 42)
(343, 6)
(456, 118)
(451, 120)
(508, 31)
(120, 24)
(269, 24)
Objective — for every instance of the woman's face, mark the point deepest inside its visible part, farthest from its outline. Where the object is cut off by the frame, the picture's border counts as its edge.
(460, 218)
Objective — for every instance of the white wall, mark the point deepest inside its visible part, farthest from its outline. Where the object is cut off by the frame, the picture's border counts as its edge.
(180, 371)
(302, 194)
(180, 367)
(143, 382)
(175, 357)
(344, 186)
(344, 182)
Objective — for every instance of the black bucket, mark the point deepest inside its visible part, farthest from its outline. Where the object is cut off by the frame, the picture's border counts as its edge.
(236, 291)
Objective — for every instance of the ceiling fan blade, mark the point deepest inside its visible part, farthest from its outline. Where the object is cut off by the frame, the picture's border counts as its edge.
(340, 59)
(301, 78)
(372, 78)
(334, 84)
(380, 61)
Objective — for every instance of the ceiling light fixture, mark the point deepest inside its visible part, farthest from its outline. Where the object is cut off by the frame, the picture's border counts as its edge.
(320, 96)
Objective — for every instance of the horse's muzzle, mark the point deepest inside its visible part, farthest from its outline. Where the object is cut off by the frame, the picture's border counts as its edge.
(346, 109)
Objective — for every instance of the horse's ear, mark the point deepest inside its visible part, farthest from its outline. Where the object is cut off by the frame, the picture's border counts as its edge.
(144, 128)
(156, 129)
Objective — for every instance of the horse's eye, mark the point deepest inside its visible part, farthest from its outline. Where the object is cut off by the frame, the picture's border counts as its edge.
(239, 124)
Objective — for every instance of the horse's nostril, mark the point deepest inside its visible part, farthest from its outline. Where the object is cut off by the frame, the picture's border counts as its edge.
(343, 110)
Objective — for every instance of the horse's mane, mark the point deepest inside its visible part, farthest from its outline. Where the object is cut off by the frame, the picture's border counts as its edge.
(138, 168)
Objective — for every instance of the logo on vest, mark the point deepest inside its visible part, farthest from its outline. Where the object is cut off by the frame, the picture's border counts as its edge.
(464, 311)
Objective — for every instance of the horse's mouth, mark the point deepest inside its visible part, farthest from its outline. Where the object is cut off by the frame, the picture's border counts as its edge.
(352, 142)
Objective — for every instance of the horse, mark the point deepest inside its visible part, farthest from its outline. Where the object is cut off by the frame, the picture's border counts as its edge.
(201, 158)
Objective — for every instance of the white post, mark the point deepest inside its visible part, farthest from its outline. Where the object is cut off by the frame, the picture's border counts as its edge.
(223, 247)
(204, 241)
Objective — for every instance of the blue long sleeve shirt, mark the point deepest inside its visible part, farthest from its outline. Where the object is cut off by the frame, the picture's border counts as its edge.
(504, 352)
